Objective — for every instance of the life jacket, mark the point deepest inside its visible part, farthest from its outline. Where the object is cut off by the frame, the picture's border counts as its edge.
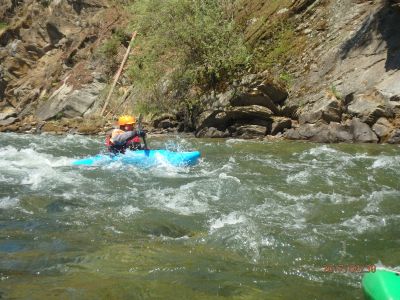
(132, 144)
(113, 147)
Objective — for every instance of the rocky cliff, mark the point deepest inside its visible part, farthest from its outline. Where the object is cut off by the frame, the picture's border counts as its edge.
(345, 79)
(329, 71)
(49, 68)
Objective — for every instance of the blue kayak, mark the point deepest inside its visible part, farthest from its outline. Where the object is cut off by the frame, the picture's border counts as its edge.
(143, 158)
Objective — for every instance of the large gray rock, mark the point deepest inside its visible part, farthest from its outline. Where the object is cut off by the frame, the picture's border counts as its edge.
(274, 90)
(266, 84)
(165, 121)
(394, 138)
(321, 133)
(369, 108)
(224, 99)
(212, 132)
(254, 98)
(362, 132)
(245, 108)
(250, 131)
(254, 89)
(389, 88)
(66, 102)
(339, 133)
(279, 124)
(382, 128)
(395, 107)
(222, 119)
(7, 113)
(8, 121)
(246, 112)
(326, 110)
(207, 119)
(305, 132)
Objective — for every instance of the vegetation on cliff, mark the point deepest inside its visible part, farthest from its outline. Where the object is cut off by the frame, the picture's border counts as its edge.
(182, 44)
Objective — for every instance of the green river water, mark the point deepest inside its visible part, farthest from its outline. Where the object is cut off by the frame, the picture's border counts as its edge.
(253, 220)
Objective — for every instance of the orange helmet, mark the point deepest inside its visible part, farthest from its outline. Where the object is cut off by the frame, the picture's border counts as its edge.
(126, 120)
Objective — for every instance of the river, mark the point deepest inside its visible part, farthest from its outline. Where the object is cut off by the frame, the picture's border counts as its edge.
(253, 220)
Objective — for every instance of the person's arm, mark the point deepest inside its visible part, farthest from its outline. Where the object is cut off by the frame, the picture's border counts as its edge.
(123, 137)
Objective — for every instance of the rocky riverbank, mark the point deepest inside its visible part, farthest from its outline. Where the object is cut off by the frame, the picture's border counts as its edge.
(342, 84)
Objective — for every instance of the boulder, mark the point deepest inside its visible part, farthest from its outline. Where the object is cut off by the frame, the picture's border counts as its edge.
(304, 132)
(8, 121)
(274, 90)
(67, 102)
(279, 124)
(382, 128)
(395, 107)
(224, 99)
(339, 133)
(369, 108)
(212, 132)
(362, 132)
(253, 89)
(167, 123)
(326, 110)
(290, 109)
(7, 113)
(222, 119)
(254, 98)
(394, 138)
(156, 121)
(250, 131)
(321, 133)
(207, 119)
(247, 113)
(389, 88)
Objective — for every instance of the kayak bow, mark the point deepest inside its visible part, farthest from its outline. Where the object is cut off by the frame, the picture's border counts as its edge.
(383, 284)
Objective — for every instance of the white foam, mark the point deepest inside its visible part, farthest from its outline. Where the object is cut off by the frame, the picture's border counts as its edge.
(361, 224)
(29, 167)
(8, 202)
(376, 197)
(235, 141)
(129, 210)
(185, 200)
(319, 153)
(230, 219)
(225, 176)
(301, 177)
(382, 162)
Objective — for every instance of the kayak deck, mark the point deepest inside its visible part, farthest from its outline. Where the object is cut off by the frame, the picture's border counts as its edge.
(143, 158)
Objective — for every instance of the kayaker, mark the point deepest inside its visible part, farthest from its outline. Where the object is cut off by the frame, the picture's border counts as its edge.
(125, 137)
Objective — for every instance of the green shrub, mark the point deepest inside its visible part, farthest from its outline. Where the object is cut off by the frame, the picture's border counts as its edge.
(286, 78)
(334, 91)
(110, 46)
(187, 42)
(282, 45)
(3, 25)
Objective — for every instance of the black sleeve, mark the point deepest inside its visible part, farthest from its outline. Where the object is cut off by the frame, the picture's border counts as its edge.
(141, 133)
